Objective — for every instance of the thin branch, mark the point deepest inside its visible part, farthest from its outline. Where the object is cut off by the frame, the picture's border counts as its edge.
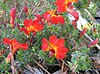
(30, 68)
(37, 6)
(12, 61)
(65, 63)
(20, 13)
(92, 40)
(62, 67)
(92, 18)
(41, 66)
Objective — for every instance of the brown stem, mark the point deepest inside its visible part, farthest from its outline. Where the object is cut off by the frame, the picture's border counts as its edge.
(12, 61)
(91, 17)
(15, 3)
(62, 67)
(41, 66)
(20, 13)
(65, 63)
(37, 6)
(88, 1)
(91, 40)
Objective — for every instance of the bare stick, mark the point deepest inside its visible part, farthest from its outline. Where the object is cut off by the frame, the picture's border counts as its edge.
(92, 40)
(37, 6)
(41, 66)
(89, 14)
(30, 68)
(12, 61)
(62, 67)
(65, 63)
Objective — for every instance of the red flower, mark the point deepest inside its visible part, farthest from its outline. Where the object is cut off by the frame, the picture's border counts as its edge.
(75, 15)
(15, 45)
(62, 5)
(52, 17)
(56, 46)
(26, 9)
(32, 26)
(82, 32)
(12, 15)
(93, 43)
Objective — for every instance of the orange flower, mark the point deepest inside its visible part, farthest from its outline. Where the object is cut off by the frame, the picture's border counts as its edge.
(12, 15)
(55, 46)
(51, 16)
(32, 26)
(15, 45)
(62, 5)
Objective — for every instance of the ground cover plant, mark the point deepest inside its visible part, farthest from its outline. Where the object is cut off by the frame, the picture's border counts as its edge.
(49, 37)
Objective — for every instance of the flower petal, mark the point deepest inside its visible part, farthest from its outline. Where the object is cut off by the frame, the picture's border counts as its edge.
(61, 52)
(45, 47)
(74, 14)
(61, 19)
(54, 20)
(59, 42)
(13, 12)
(62, 49)
(82, 32)
(60, 56)
(28, 23)
(24, 46)
(6, 41)
(44, 44)
(93, 42)
(25, 31)
(52, 39)
(26, 9)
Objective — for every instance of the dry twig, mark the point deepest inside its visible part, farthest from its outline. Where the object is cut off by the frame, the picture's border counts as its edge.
(41, 66)
(12, 61)
(37, 6)
(92, 40)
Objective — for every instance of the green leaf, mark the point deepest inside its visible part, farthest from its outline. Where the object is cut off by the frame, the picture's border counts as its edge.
(4, 6)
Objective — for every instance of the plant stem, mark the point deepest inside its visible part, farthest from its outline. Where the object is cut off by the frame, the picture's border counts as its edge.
(37, 6)
(92, 40)
(65, 63)
(12, 61)
(41, 66)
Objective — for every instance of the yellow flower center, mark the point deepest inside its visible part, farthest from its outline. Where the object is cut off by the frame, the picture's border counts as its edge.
(52, 13)
(31, 28)
(53, 47)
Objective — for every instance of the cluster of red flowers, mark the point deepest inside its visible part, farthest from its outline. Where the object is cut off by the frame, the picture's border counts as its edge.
(55, 46)
(32, 26)
(51, 16)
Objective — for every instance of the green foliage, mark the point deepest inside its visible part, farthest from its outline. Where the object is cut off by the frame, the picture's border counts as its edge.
(80, 59)
(78, 56)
